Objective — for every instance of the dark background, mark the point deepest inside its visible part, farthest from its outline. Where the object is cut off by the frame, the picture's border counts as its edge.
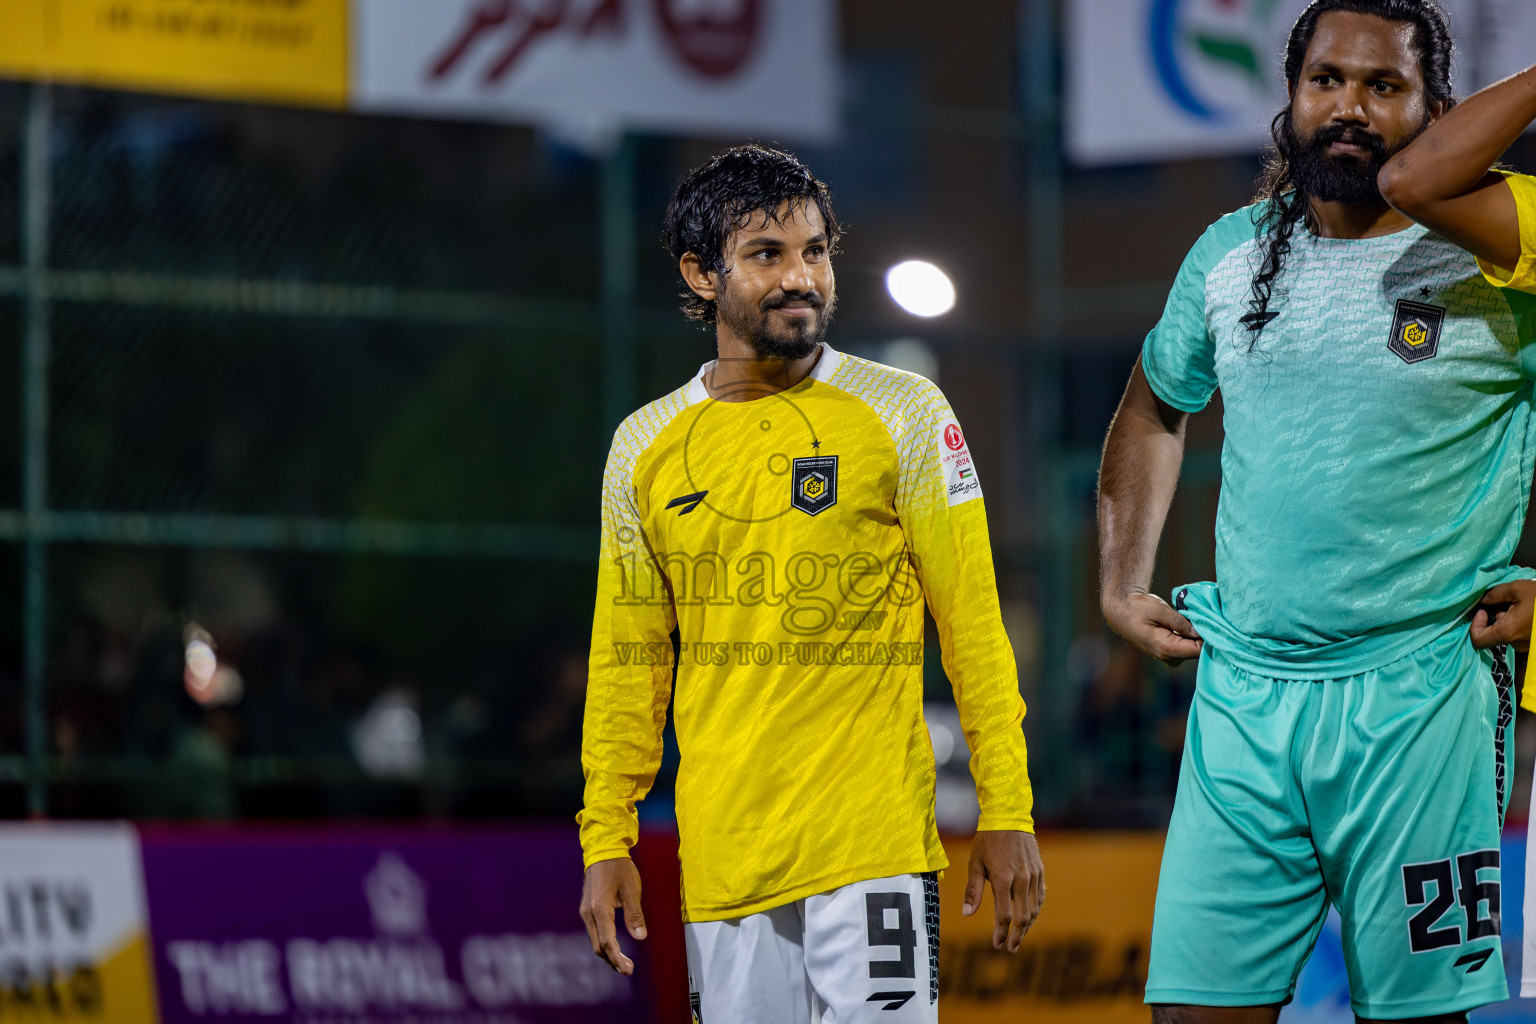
(377, 492)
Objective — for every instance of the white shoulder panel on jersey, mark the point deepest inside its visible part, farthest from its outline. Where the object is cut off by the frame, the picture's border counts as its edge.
(920, 421)
(637, 433)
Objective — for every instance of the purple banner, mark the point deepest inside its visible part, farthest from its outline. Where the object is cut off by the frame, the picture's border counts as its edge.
(376, 927)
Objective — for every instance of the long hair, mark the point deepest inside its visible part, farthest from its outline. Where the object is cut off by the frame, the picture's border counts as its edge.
(1286, 202)
(725, 192)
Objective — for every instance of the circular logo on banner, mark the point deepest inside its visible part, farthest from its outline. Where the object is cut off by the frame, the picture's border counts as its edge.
(1211, 55)
(953, 438)
(713, 37)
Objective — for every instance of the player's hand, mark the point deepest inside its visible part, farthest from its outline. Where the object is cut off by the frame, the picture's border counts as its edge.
(609, 885)
(1151, 624)
(1011, 862)
(1503, 616)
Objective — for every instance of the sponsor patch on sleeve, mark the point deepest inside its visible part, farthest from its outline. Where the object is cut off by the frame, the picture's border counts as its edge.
(960, 481)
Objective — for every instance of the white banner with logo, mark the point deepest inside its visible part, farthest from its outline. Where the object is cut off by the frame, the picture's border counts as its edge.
(75, 925)
(1171, 79)
(754, 67)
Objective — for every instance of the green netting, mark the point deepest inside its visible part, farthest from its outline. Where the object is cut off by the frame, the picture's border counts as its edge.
(170, 410)
(326, 400)
(10, 401)
(182, 187)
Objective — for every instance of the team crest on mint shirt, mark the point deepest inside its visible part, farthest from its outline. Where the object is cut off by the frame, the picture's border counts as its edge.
(813, 484)
(1416, 331)
(960, 482)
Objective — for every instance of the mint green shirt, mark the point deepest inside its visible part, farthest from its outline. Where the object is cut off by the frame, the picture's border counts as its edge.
(1379, 440)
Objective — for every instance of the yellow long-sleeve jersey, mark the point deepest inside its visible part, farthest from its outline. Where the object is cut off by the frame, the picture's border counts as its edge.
(792, 541)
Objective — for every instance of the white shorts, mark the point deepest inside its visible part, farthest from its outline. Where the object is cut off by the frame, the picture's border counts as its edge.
(866, 952)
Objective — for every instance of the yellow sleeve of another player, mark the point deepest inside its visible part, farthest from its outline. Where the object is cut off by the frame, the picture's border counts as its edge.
(938, 498)
(629, 674)
(1528, 685)
(1523, 277)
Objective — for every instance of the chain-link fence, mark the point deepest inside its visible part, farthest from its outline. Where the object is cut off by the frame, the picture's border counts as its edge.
(293, 388)
(298, 386)
(293, 385)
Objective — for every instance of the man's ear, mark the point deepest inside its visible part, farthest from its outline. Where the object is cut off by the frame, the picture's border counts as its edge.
(695, 276)
(1438, 109)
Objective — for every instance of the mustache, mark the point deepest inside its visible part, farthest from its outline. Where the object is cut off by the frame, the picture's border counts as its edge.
(811, 298)
(1327, 136)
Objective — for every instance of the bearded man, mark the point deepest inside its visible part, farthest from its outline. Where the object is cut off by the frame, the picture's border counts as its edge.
(790, 512)
(1349, 740)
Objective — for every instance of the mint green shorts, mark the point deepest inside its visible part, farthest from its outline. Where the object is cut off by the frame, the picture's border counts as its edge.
(1381, 793)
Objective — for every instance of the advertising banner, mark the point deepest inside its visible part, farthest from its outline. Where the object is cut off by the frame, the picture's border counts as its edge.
(377, 928)
(1170, 79)
(74, 942)
(1084, 961)
(1086, 958)
(733, 66)
(588, 68)
(290, 52)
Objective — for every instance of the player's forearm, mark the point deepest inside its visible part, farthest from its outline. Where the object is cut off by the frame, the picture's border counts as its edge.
(1000, 767)
(954, 555)
(623, 723)
(620, 761)
(1451, 158)
(984, 679)
(1137, 479)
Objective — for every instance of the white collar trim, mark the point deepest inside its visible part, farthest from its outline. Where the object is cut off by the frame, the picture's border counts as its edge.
(825, 366)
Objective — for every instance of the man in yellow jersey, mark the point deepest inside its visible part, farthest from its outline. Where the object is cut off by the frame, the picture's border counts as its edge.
(790, 511)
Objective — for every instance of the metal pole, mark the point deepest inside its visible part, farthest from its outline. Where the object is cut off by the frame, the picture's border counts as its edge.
(34, 433)
(1039, 51)
(618, 216)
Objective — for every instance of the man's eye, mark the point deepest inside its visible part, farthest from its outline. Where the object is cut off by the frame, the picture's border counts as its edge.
(1383, 87)
(1322, 79)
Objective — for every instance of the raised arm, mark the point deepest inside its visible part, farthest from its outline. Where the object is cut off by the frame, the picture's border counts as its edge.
(1137, 477)
(1442, 180)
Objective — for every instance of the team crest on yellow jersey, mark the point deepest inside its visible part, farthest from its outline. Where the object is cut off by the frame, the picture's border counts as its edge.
(813, 484)
(1416, 331)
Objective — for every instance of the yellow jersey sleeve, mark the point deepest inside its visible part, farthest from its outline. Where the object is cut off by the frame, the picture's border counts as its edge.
(938, 500)
(1528, 686)
(1523, 276)
(629, 674)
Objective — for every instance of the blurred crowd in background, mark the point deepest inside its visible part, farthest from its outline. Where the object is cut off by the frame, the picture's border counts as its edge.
(216, 676)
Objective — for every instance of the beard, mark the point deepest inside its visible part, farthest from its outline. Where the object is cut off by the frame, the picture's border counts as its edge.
(795, 340)
(1341, 179)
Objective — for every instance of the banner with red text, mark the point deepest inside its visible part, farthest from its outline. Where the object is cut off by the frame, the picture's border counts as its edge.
(587, 68)
(764, 67)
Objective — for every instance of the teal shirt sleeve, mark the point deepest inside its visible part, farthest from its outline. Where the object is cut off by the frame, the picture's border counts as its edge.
(1179, 356)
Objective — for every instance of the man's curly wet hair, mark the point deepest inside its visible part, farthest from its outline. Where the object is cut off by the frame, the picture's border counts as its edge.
(724, 193)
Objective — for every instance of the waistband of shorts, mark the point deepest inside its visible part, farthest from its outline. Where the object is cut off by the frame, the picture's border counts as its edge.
(1280, 659)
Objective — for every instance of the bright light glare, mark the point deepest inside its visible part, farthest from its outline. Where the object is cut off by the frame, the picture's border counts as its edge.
(202, 663)
(208, 682)
(920, 288)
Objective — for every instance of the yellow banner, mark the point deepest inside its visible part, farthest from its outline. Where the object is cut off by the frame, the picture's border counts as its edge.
(1084, 961)
(286, 51)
